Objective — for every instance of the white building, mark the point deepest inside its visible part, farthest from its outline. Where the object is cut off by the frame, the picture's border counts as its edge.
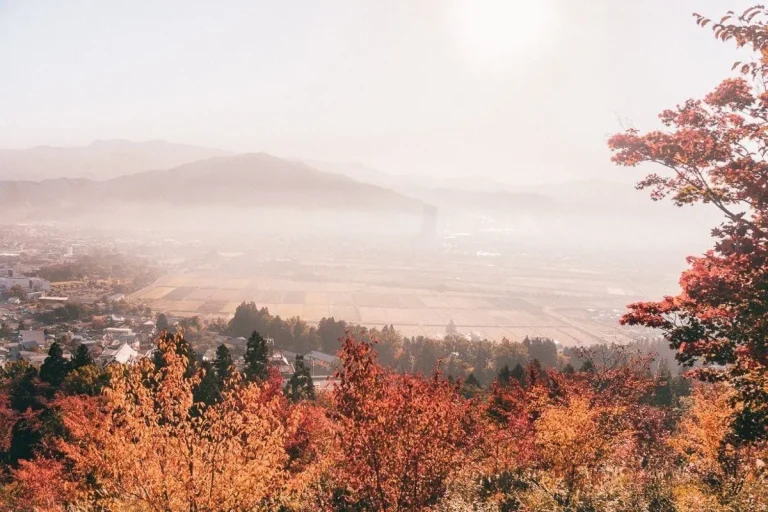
(123, 354)
(9, 279)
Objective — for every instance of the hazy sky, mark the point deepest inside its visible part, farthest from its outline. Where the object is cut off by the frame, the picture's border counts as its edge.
(520, 91)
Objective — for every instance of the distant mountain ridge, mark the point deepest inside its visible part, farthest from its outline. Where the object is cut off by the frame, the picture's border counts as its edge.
(250, 180)
(100, 160)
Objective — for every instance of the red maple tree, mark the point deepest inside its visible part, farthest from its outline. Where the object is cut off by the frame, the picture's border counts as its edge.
(713, 151)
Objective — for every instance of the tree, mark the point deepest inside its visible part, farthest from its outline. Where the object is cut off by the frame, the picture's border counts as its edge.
(518, 373)
(450, 329)
(223, 365)
(587, 367)
(300, 385)
(82, 357)
(144, 445)
(400, 436)
(207, 391)
(712, 151)
(471, 386)
(162, 323)
(55, 368)
(662, 394)
(331, 333)
(504, 378)
(85, 380)
(719, 470)
(180, 345)
(256, 358)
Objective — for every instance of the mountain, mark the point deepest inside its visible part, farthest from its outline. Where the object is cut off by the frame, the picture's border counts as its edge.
(253, 180)
(100, 160)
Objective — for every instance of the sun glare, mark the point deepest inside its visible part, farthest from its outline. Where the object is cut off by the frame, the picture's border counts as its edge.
(490, 29)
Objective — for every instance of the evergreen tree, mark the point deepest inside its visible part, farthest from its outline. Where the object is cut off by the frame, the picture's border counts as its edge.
(256, 358)
(82, 357)
(662, 393)
(588, 367)
(207, 391)
(300, 385)
(162, 322)
(55, 368)
(471, 386)
(450, 329)
(568, 369)
(223, 364)
(504, 378)
(518, 373)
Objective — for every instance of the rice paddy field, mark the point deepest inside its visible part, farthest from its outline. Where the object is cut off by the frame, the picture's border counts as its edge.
(573, 307)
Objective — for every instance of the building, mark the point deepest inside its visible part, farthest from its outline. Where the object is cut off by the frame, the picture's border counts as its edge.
(281, 362)
(32, 340)
(9, 279)
(122, 353)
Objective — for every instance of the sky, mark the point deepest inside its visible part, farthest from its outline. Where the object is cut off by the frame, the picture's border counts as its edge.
(522, 92)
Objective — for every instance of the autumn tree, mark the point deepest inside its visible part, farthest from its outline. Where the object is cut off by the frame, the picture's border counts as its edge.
(720, 472)
(146, 445)
(399, 437)
(712, 151)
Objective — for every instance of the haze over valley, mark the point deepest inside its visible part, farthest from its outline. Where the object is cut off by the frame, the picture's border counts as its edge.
(317, 239)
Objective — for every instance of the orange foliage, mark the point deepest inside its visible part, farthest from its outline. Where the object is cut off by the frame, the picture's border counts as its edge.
(147, 446)
(399, 436)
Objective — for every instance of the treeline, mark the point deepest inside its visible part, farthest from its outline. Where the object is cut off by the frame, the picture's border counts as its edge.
(102, 265)
(28, 395)
(456, 356)
(152, 436)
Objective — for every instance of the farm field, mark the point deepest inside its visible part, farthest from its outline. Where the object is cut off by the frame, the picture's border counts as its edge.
(577, 308)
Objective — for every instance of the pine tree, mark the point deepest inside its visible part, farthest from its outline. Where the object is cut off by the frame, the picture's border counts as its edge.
(256, 358)
(82, 357)
(223, 364)
(504, 378)
(207, 391)
(450, 329)
(588, 367)
(518, 373)
(55, 368)
(471, 386)
(662, 394)
(568, 369)
(300, 385)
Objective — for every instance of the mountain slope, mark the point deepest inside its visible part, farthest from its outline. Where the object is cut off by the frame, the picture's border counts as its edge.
(99, 160)
(241, 181)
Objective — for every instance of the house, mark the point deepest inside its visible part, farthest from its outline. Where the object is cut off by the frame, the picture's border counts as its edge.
(123, 354)
(321, 363)
(31, 340)
(119, 334)
(281, 362)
